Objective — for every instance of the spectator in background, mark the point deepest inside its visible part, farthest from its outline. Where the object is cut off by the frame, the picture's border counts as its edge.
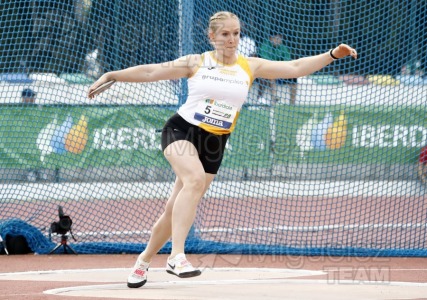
(247, 46)
(92, 64)
(274, 49)
(28, 96)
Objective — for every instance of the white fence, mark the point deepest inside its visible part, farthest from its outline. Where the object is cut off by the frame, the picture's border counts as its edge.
(167, 93)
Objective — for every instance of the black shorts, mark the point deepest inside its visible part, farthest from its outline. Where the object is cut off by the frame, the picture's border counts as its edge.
(210, 147)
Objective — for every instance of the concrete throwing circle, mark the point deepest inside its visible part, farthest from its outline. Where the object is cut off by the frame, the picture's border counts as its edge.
(221, 283)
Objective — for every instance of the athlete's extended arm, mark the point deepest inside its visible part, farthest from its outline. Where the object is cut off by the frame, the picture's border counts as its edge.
(299, 67)
(179, 68)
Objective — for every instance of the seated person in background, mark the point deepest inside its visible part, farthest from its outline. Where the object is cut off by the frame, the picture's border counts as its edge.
(422, 165)
(275, 49)
(28, 96)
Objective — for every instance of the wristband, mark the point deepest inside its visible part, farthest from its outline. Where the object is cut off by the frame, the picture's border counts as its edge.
(333, 57)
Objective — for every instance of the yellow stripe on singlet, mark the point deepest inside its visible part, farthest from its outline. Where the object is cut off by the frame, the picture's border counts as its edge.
(243, 63)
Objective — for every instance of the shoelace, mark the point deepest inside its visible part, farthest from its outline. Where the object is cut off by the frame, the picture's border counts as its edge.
(185, 263)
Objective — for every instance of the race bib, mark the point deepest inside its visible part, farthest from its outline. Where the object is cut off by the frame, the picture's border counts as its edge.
(216, 113)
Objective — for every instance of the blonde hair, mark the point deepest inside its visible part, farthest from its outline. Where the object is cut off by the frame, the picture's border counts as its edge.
(220, 16)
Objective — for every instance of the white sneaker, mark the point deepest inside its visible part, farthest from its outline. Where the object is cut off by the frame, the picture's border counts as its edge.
(138, 276)
(181, 267)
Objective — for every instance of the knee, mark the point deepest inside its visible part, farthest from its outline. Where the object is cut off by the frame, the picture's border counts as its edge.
(195, 182)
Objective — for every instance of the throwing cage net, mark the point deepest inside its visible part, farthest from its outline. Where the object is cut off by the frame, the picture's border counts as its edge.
(324, 164)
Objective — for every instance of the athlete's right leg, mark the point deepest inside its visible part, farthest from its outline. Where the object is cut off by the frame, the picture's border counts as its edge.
(160, 234)
(162, 229)
(179, 214)
(181, 207)
(184, 159)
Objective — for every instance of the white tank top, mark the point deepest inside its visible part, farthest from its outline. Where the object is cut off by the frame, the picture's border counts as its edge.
(216, 93)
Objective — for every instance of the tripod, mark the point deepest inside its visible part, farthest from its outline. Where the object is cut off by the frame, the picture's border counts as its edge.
(64, 244)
